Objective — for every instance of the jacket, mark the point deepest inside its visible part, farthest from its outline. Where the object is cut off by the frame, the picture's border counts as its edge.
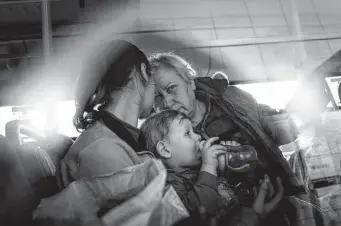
(259, 122)
(97, 151)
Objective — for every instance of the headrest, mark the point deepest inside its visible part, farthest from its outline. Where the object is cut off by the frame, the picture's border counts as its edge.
(15, 128)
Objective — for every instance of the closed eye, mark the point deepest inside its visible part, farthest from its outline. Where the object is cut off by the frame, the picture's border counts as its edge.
(158, 97)
(171, 88)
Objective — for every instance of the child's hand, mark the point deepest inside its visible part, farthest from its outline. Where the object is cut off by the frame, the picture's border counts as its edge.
(209, 155)
(230, 143)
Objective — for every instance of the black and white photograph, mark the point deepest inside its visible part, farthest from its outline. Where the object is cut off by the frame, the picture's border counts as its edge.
(170, 113)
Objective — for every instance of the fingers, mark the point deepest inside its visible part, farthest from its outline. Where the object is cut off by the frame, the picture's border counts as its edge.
(271, 189)
(208, 143)
(220, 151)
(230, 143)
(234, 143)
(280, 187)
(263, 190)
(278, 197)
(258, 204)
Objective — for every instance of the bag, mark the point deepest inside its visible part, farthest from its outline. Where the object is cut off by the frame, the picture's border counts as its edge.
(135, 195)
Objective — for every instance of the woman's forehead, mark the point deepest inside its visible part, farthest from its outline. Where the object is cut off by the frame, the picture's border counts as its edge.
(166, 75)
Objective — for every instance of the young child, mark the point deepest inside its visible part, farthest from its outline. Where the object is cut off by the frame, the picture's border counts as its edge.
(192, 170)
(191, 163)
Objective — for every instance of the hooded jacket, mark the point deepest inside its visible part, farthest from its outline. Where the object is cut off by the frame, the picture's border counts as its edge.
(264, 125)
(259, 121)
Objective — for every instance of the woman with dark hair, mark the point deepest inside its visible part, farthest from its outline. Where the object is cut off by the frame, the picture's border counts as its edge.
(115, 97)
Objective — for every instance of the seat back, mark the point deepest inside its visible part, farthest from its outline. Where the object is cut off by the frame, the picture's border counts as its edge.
(28, 172)
(15, 128)
(15, 190)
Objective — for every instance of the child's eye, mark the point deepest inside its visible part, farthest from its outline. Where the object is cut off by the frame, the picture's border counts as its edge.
(187, 133)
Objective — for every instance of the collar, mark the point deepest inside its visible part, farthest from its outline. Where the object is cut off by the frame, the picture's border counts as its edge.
(202, 96)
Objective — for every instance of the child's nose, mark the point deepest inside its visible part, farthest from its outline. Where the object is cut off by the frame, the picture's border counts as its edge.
(198, 137)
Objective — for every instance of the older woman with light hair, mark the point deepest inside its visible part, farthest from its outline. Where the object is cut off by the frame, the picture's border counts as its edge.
(220, 75)
(217, 109)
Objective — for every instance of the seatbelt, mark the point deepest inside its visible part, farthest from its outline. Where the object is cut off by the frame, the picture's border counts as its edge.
(117, 127)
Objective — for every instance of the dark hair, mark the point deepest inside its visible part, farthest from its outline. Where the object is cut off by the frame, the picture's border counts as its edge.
(156, 128)
(94, 87)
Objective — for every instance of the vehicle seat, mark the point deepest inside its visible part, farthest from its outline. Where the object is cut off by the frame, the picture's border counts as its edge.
(15, 190)
(36, 163)
(55, 146)
(14, 128)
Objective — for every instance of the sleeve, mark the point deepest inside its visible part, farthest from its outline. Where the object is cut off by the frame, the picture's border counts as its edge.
(204, 192)
(278, 125)
(102, 157)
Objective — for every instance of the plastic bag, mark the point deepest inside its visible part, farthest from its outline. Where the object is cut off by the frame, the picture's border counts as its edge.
(136, 195)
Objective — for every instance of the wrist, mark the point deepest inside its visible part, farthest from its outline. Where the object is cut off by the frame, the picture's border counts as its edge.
(209, 169)
(259, 216)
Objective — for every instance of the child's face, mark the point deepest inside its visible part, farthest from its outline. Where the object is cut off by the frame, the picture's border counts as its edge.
(183, 143)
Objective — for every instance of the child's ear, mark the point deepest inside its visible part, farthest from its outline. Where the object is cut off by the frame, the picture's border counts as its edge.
(162, 150)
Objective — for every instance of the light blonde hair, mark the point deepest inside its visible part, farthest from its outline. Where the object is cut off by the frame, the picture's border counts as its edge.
(173, 62)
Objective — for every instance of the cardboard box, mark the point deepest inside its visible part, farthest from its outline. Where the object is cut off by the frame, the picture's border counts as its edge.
(330, 200)
(331, 123)
(337, 163)
(321, 166)
(334, 142)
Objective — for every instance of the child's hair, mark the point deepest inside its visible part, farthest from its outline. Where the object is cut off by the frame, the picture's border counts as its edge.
(156, 128)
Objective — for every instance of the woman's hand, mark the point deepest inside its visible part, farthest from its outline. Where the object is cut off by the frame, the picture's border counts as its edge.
(271, 189)
(263, 207)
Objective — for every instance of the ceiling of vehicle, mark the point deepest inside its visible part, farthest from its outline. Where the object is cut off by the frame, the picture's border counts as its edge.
(263, 40)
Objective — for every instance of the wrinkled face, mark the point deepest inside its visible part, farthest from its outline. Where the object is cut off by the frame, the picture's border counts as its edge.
(183, 143)
(173, 92)
(147, 98)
